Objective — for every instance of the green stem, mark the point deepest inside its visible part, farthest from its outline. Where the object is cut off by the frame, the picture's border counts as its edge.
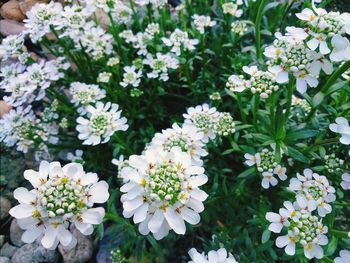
(289, 98)
(321, 95)
(258, 28)
(255, 110)
(136, 17)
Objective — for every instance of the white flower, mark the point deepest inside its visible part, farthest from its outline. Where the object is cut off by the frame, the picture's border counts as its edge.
(29, 85)
(12, 46)
(341, 50)
(252, 159)
(122, 13)
(40, 18)
(303, 228)
(342, 127)
(160, 65)
(268, 180)
(104, 77)
(162, 191)
(213, 256)
(85, 94)
(278, 221)
(179, 39)
(309, 16)
(204, 118)
(287, 242)
(316, 189)
(318, 40)
(61, 196)
(232, 9)
(188, 138)
(101, 123)
(320, 62)
(76, 157)
(131, 77)
(237, 83)
(15, 127)
(96, 41)
(113, 61)
(201, 22)
(345, 184)
(344, 257)
(280, 172)
(304, 79)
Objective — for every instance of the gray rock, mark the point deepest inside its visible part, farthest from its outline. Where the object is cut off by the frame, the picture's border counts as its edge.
(5, 206)
(7, 250)
(5, 260)
(34, 253)
(10, 27)
(2, 240)
(81, 253)
(16, 234)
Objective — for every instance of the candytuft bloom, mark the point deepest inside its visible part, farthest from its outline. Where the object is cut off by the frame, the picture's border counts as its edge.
(162, 191)
(101, 123)
(62, 196)
(213, 256)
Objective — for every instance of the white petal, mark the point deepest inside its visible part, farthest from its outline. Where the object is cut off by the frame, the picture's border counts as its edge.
(175, 221)
(156, 221)
(99, 192)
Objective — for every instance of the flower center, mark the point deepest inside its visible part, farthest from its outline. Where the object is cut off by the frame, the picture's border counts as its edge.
(179, 141)
(99, 123)
(166, 183)
(62, 195)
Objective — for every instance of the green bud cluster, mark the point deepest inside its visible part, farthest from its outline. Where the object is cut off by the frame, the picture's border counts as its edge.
(296, 57)
(179, 141)
(225, 125)
(268, 161)
(62, 196)
(166, 183)
(307, 230)
(263, 83)
(100, 123)
(333, 164)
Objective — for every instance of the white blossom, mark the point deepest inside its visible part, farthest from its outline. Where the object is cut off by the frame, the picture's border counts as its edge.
(62, 196)
(219, 256)
(163, 191)
(160, 65)
(101, 122)
(342, 127)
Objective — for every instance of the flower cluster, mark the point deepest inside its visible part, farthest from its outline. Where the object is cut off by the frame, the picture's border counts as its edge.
(213, 256)
(266, 164)
(233, 8)
(161, 189)
(179, 41)
(85, 94)
(201, 22)
(304, 52)
(62, 197)
(100, 123)
(313, 192)
(316, 189)
(210, 121)
(28, 83)
(259, 82)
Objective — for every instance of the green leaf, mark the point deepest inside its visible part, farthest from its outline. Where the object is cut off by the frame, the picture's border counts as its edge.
(265, 236)
(297, 135)
(295, 154)
(247, 173)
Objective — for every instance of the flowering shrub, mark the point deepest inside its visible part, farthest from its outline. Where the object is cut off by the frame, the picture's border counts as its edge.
(206, 118)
